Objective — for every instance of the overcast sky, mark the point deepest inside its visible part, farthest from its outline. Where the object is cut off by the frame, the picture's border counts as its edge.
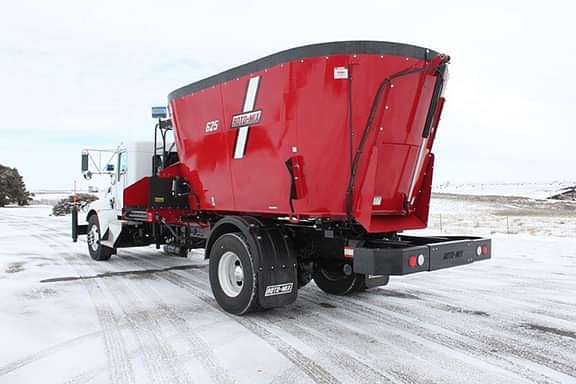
(76, 74)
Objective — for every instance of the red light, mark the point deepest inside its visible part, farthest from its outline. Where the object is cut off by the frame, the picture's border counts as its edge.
(485, 250)
(412, 261)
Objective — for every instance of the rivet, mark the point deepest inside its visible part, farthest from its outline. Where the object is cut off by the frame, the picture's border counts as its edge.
(387, 107)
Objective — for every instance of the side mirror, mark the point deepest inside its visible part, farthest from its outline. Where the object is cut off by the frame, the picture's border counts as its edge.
(84, 162)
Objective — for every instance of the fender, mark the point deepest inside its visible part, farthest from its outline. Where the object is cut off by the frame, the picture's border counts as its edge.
(274, 257)
(110, 227)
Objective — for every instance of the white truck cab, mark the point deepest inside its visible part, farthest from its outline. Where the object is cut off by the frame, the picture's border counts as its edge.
(126, 164)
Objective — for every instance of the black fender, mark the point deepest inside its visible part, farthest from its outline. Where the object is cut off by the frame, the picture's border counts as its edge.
(275, 259)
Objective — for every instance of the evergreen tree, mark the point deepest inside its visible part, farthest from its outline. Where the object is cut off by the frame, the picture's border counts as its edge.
(12, 187)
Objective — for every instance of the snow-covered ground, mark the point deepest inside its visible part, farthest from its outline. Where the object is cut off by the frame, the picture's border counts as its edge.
(539, 190)
(144, 317)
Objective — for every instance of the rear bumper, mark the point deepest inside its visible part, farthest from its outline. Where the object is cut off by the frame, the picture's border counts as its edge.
(419, 254)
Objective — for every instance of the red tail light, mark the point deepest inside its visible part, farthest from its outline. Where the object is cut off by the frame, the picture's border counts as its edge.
(412, 261)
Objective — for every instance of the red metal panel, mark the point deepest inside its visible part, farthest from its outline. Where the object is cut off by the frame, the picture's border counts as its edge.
(136, 195)
(304, 112)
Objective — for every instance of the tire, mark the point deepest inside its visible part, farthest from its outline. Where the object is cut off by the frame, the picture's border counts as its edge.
(334, 281)
(232, 274)
(97, 251)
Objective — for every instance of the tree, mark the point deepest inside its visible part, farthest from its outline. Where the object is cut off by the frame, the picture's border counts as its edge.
(12, 187)
(64, 206)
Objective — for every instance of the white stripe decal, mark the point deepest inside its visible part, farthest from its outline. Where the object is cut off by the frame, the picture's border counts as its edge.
(249, 102)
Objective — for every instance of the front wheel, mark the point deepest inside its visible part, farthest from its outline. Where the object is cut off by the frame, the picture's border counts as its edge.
(232, 274)
(97, 251)
(338, 279)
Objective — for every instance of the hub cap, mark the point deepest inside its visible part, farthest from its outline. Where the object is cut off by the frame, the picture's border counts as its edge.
(230, 274)
(93, 237)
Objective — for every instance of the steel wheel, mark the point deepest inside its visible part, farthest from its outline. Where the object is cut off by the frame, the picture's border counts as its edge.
(93, 237)
(97, 251)
(230, 274)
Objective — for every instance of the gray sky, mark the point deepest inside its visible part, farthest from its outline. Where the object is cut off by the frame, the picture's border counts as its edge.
(76, 74)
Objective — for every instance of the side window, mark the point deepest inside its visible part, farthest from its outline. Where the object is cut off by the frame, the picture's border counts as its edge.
(122, 164)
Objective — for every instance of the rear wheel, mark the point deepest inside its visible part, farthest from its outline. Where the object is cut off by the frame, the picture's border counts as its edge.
(97, 251)
(338, 279)
(232, 274)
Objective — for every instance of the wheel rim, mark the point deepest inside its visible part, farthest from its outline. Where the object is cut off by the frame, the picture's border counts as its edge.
(93, 237)
(231, 274)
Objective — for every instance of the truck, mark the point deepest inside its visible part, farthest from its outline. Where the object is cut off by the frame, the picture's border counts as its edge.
(308, 164)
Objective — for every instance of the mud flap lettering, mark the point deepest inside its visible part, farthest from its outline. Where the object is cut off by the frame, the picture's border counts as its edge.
(279, 289)
(277, 275)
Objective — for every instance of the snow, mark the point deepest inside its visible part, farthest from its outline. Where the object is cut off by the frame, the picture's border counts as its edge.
(511, 319)
(536, 190)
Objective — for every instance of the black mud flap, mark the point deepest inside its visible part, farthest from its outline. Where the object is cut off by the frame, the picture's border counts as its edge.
(274, 258)
(373, 281)
(77, 229)
(277, 273)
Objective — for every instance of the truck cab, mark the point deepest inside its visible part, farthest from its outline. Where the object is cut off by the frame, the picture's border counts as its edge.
(102, 219)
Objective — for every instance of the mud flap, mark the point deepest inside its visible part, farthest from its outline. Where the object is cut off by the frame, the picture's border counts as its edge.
(277, 273)
(77, 229)
(373, 281)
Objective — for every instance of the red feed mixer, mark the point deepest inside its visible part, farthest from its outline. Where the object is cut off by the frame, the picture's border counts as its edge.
(302, 165)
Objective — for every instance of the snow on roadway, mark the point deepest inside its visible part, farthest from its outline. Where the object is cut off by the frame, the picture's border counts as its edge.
(144, 317)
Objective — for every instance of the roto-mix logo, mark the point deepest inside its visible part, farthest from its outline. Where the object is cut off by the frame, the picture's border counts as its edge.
(242, 121)
(279, 289)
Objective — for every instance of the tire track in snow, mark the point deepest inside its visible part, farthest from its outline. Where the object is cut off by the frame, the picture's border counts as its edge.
(317, 373)
(445, 341)
(119, 366)
(158, 357)
(325, 345)
(17, 364)
(200, 284)
(201, 350)
(399, 376)
(509, 328)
